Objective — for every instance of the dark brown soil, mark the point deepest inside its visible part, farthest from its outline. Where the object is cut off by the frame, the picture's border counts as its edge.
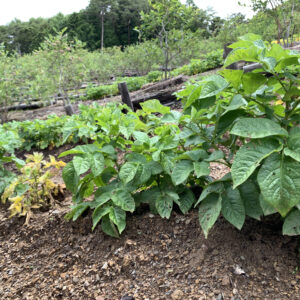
(153, 259)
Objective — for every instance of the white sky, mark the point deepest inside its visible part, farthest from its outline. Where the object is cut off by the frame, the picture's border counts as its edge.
(26, 9)
(224, 8)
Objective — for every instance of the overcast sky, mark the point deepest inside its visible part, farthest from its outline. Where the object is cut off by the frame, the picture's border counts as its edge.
(26, 9)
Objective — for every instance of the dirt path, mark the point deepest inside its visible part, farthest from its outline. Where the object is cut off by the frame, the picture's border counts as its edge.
(153, 259)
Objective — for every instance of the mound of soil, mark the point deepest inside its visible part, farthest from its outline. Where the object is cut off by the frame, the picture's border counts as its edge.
(153, 259)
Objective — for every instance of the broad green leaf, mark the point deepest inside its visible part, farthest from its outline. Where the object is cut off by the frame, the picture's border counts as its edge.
(252, 81)
(251, 37)
(233, 208)
(128, 171)
(257, 128)
(6, 178)
(141, 138)
(201, 169)
(108, 227)
(209, 211)
(291, 225)
(154, 167)
(234, 77)
(216, 155)
(97, 163)
(148, 196)
(81, 164)
(123, 199)
(136, 157)
(167, 163)
(154, 106)
(164, 205)
(19, 162)
(212, 86)
(182, 171)
(194, 140)
(293, 149)
(213, 188)
(293, 154)
(185, 201)
(279, 181)
(227, 120)
(240, 44)
(98, 213)
(250, 195)
(268, 63)
(83, 149)
(102, 197)
(250, 54)
(87, 189)
(285, 62)
(200, 104)
(236, 102)
(70, 177)
(249, 157)
(118, 217)
(266, 207)
(194, 155)
(194, 95)
(78, 210)
(108, 149)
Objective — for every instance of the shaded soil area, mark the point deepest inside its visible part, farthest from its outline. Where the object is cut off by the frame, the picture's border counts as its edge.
(153, 259)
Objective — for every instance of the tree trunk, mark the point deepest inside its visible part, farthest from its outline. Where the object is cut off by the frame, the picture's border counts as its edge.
(128, 33)
(290, 25)
(102, 30)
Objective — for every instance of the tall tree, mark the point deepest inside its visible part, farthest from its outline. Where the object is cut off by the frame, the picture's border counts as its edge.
(164, 20)
(102, 8)
(128, 13)
(283, 11)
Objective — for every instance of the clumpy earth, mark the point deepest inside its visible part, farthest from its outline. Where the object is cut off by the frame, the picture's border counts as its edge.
(153, 259)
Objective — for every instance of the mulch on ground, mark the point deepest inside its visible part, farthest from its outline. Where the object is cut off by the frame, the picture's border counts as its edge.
(153, 259)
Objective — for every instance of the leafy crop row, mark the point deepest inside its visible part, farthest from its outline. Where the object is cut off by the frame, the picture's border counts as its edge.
(161, 158)
(158, 160)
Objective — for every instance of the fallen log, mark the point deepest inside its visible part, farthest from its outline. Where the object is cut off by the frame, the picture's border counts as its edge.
(27, 106)
(164, 84)
(164, 96)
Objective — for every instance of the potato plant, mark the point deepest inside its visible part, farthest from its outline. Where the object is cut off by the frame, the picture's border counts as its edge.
(247, 121)
(260, 110)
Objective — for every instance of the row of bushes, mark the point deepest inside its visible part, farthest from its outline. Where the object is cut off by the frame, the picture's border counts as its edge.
(210, 61)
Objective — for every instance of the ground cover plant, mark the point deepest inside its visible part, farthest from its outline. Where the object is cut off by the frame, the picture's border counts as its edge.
(165, 156)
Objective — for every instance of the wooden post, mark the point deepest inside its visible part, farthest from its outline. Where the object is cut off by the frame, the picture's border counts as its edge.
(125, 94)
(69, 110)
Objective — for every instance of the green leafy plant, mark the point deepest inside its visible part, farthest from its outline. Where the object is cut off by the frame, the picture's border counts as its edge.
(137, 159)
(9, 141)
(261, 114)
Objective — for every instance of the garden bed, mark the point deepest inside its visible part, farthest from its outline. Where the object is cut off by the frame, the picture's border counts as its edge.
(153, 259)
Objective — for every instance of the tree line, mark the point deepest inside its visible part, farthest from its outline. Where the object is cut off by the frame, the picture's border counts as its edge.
(108, 23)
(101, 24)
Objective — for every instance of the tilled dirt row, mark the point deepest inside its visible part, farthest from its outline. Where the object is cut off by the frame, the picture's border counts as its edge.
(153, 259)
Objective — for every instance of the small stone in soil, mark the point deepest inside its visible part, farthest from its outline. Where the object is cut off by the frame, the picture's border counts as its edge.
(126, 297)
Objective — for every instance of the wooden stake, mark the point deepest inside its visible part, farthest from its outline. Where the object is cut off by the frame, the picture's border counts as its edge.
(125, 94)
